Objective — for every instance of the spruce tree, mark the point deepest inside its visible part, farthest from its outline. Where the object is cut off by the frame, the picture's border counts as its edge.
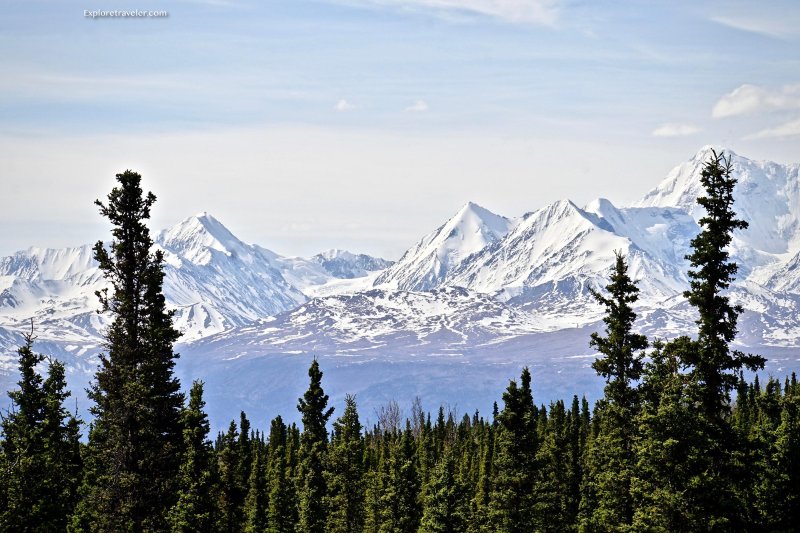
(608, 504)
(194, 510)
(714, 366)
(780, 506)
(400, 500)
(40, 449)
(512, 499)
(446, 501)
(231, 493)
(552, 507)
(256, 506)
(282, 504)
(133, 454)
(345, 472)
(483, 491)
(621, 357)
(313, 407)
(670, 449)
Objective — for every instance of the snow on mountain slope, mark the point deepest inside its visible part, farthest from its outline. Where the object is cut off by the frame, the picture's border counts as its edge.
(427, 264)
(215, 281)
(552, 256)
(342, 264)
(56, 289)
(767, 196)
(445, 319)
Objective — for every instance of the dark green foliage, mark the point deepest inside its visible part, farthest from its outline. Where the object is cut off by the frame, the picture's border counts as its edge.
(345, 473)
(282, 509)
(314, 443)
(554, 507)
(607, 503)
(446, 501)
(256, 504)
(40, 451)
(133, 454)
(621, 348)
(194, 510)
(783, 509)
(512, 498)
(667, 451)
(231, 488)
(400, 499)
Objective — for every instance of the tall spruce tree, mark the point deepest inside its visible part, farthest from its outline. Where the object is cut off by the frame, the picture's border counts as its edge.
(313, 407)
(610, 461)
(194, 510)
(621, 360)
(133, 454)
(715, 367)
(282, 507)
(345, 473)
(40, 449)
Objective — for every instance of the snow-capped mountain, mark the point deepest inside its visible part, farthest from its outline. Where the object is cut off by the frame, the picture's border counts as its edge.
(342, 264)
(767, 196)
(216, 282)
(553, 255)
(473, 300)
(213, 281)
(427, 264)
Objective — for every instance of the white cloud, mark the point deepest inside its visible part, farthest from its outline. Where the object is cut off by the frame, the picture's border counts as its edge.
(544, 12)
(675, 130)
(344, 105)
(748, 99)
(418, 107)
(788, 129)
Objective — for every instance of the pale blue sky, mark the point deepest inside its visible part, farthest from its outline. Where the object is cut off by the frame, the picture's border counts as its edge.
(310, 124)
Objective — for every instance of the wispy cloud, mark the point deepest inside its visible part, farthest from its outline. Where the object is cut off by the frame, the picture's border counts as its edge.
(788, 129)
(417, 107)
(541, 12)
(675, 130)
(749, 99)
(775, 27)
(343, 105)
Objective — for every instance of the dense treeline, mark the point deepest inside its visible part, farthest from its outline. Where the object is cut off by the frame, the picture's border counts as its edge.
(680, 440)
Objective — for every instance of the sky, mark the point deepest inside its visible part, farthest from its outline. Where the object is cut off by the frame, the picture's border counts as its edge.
(304, 125)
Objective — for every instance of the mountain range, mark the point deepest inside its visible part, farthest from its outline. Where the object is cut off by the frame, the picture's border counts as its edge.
(455, 317)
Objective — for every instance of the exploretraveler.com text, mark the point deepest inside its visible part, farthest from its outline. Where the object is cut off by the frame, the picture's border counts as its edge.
(124, 13)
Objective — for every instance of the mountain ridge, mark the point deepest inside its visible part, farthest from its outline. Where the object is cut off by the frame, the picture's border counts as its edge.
(479, 292)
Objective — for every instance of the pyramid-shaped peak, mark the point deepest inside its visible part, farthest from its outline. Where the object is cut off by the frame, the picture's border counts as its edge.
(193, 237)
(472, 214)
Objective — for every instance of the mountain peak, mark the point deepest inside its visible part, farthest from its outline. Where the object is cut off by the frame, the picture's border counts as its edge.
(194, 237)
(767, 195)
(426, 264)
